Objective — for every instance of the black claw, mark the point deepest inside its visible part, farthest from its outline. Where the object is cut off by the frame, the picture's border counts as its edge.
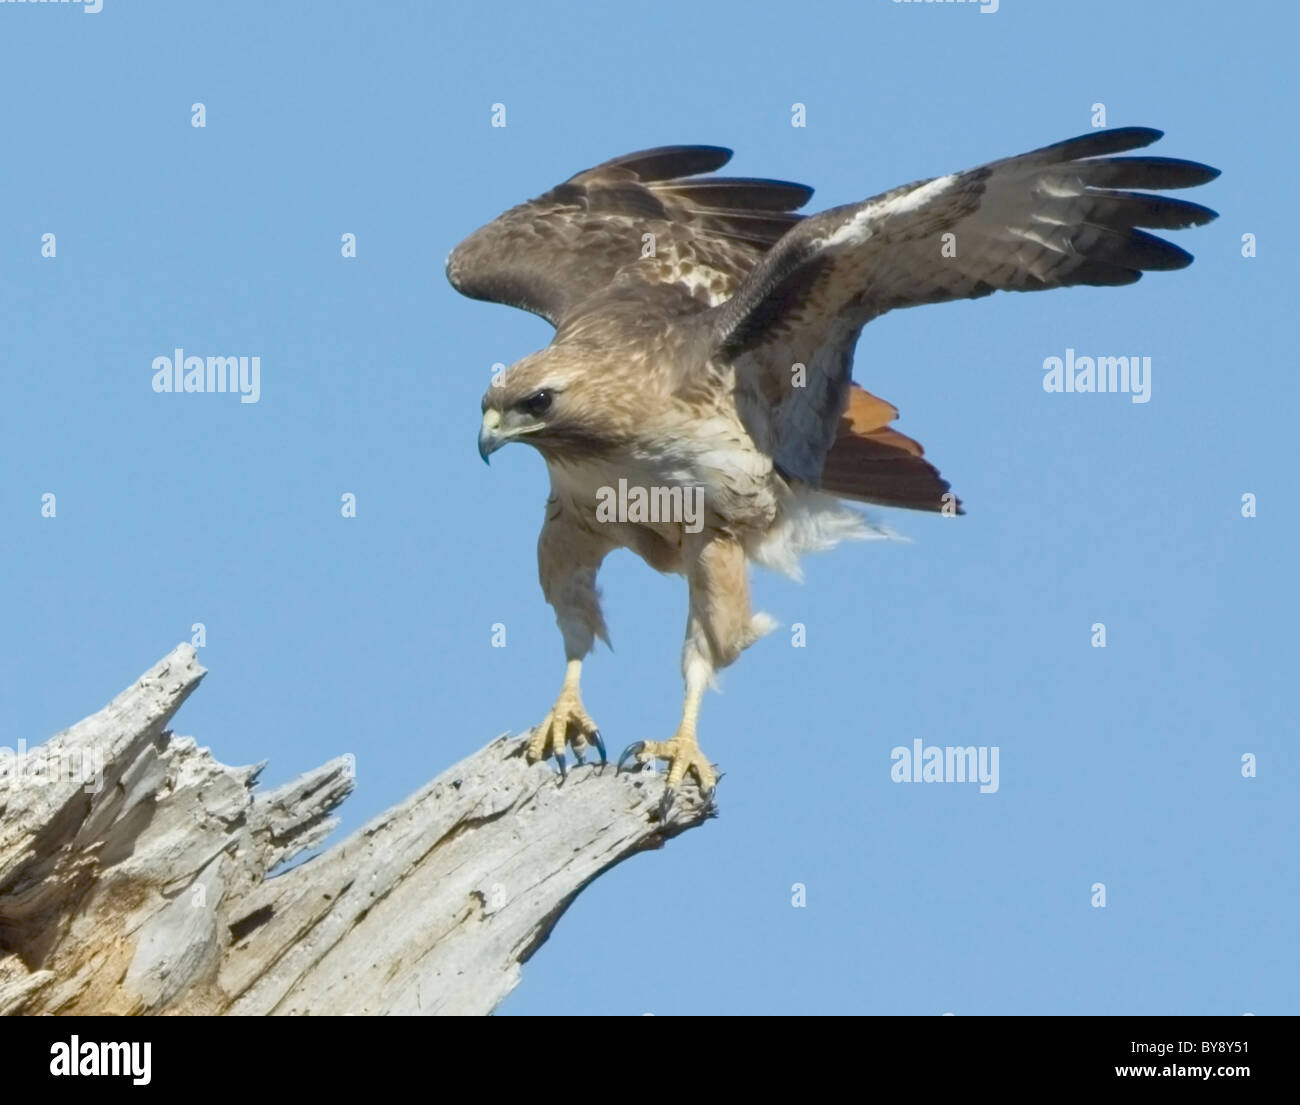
(559, 762)
(600, 745)
(666, 803)
(631, 750)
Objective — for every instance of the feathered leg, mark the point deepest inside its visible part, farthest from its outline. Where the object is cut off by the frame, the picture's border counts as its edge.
(567, 561)
(719, 628)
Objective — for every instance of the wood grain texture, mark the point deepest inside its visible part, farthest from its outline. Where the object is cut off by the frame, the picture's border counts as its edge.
(153, 891)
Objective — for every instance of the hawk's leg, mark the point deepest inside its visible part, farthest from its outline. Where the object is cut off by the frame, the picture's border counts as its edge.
(682, 750)
(720, 627)
(568, 557)
(567, 723)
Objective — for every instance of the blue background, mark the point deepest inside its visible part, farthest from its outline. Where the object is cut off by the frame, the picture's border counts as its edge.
(372, 636)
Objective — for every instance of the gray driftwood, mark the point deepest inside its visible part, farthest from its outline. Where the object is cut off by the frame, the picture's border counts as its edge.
(154, 893)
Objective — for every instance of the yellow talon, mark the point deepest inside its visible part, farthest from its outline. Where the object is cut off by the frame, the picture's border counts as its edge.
(683, 755)
(567, 723)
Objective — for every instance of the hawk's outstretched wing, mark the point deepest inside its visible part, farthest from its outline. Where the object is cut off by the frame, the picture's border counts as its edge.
(550, 254)
(1055, 217)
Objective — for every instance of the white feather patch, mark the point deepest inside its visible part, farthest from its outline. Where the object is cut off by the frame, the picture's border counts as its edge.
(810, 521)
(919, 197)
(859, 227)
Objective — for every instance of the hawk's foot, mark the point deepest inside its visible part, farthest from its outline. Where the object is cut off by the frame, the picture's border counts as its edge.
(683, 755)
(567, 723)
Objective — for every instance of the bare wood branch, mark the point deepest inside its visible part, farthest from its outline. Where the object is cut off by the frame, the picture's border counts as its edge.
(152, 890)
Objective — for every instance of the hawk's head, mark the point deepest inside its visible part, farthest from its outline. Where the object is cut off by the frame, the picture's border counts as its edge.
(548, 400)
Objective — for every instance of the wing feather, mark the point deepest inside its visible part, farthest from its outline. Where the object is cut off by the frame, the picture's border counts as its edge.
(1059, 216)
(555, 253)
(874, 463)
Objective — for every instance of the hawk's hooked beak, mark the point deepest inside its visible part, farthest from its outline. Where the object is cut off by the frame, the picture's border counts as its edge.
(490, 437)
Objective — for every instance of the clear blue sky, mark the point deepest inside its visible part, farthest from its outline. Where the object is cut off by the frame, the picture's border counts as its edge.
(373, 636)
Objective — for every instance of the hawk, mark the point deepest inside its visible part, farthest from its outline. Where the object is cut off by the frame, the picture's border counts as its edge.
(703, 348)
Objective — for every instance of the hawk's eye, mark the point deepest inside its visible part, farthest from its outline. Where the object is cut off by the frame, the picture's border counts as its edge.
(537, 404)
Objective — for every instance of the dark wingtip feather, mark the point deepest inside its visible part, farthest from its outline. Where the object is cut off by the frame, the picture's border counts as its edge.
(1097, 143)
(1152, 254)
(1121, 210)
(1129, 249)
(1116, 140)
(1147, 172)
(1138, 136)
(748, 193)
(669, 162)
(1099, 274)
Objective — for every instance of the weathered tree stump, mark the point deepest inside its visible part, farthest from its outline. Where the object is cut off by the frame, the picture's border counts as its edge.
(152, 890)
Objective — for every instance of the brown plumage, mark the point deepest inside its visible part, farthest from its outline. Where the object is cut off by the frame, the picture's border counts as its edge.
(702, 361)
(873, 463)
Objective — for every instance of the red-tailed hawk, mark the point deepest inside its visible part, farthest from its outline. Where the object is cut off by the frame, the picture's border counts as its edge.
(695, 404)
